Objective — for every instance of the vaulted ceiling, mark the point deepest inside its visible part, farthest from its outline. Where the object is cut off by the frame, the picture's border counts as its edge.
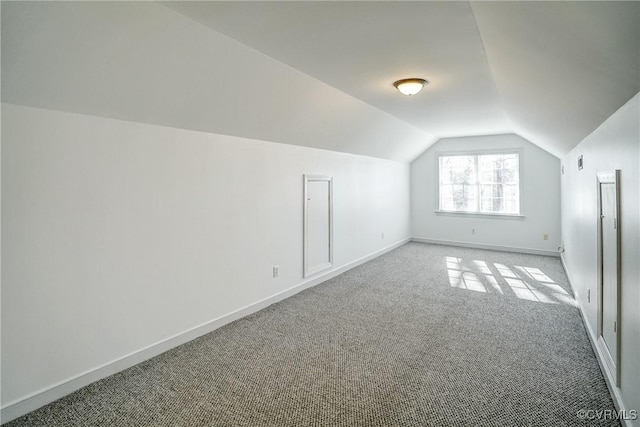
(320, 74)
(551, 72)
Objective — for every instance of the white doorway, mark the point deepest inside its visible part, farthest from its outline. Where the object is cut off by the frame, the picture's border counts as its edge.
(318, 224)
(609, 271)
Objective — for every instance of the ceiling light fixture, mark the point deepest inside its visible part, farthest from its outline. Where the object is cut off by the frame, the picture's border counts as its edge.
(410, 86)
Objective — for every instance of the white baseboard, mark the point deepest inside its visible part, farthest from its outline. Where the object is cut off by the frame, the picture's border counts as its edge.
(611, 383)
(50, 394)
(485, 246)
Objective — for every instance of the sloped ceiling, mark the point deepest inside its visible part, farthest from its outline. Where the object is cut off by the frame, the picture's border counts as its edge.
(142, 62)
(551, 72)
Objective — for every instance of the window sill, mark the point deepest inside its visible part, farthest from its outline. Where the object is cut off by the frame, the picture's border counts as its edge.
(480, 214)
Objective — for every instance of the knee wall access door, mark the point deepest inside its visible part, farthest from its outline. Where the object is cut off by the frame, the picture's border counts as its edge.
(609, 271)
(318, 224)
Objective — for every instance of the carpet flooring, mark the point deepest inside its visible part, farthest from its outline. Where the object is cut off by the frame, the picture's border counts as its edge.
(425, 335)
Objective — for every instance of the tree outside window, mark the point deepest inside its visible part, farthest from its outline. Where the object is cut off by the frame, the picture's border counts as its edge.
(481, 183)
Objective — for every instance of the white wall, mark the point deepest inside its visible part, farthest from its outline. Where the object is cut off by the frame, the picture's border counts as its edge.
(134, 205)
(117, 235)
(540, 198)
(614, 145)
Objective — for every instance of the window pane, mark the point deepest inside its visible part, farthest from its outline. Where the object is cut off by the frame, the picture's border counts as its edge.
(488, 182)
(499, 182)
(457, 169)
(512, 206)
(485, 190)
(447, 204)
(497, 204)
(446, 191)
(464, 197)
(499, 168)
(511, 191)
(458, 188)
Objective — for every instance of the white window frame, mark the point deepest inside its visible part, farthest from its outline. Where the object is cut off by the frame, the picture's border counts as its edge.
(477, 153)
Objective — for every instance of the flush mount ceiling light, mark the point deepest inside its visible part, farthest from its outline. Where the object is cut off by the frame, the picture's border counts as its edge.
(410, 86)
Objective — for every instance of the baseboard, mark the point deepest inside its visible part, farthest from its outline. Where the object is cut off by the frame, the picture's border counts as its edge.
(50, 394)
(611, 384)
(485, 246)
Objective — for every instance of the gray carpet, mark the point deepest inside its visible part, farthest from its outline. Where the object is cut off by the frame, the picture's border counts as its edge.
(425, 335)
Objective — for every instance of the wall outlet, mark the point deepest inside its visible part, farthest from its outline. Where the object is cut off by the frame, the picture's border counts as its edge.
(473, 231)
(276, 271)
(545, 236)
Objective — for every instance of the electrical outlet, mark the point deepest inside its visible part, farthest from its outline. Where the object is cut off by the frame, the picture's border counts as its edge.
(276, 271)
(473, 231)
(545, 236)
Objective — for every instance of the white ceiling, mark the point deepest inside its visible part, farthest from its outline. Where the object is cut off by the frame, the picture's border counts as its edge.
(549, 71)
(142, 62)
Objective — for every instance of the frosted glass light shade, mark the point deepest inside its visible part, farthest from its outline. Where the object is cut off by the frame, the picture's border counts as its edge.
(410, 86)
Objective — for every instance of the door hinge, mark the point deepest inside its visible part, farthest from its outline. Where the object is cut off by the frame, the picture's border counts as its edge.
(615, 327)
(615, 223)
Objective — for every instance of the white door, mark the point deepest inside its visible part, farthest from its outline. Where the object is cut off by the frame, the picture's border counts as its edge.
(609, 272)
(609, 246)
(318, 234)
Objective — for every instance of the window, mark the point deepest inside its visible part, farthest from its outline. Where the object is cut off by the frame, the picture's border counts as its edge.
(480, 183)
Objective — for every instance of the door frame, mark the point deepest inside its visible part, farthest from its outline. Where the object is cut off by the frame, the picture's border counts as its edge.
(308, 270)
(613, 366)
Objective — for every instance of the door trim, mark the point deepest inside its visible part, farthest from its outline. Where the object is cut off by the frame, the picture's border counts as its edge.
(307, 270)
(613, 366)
